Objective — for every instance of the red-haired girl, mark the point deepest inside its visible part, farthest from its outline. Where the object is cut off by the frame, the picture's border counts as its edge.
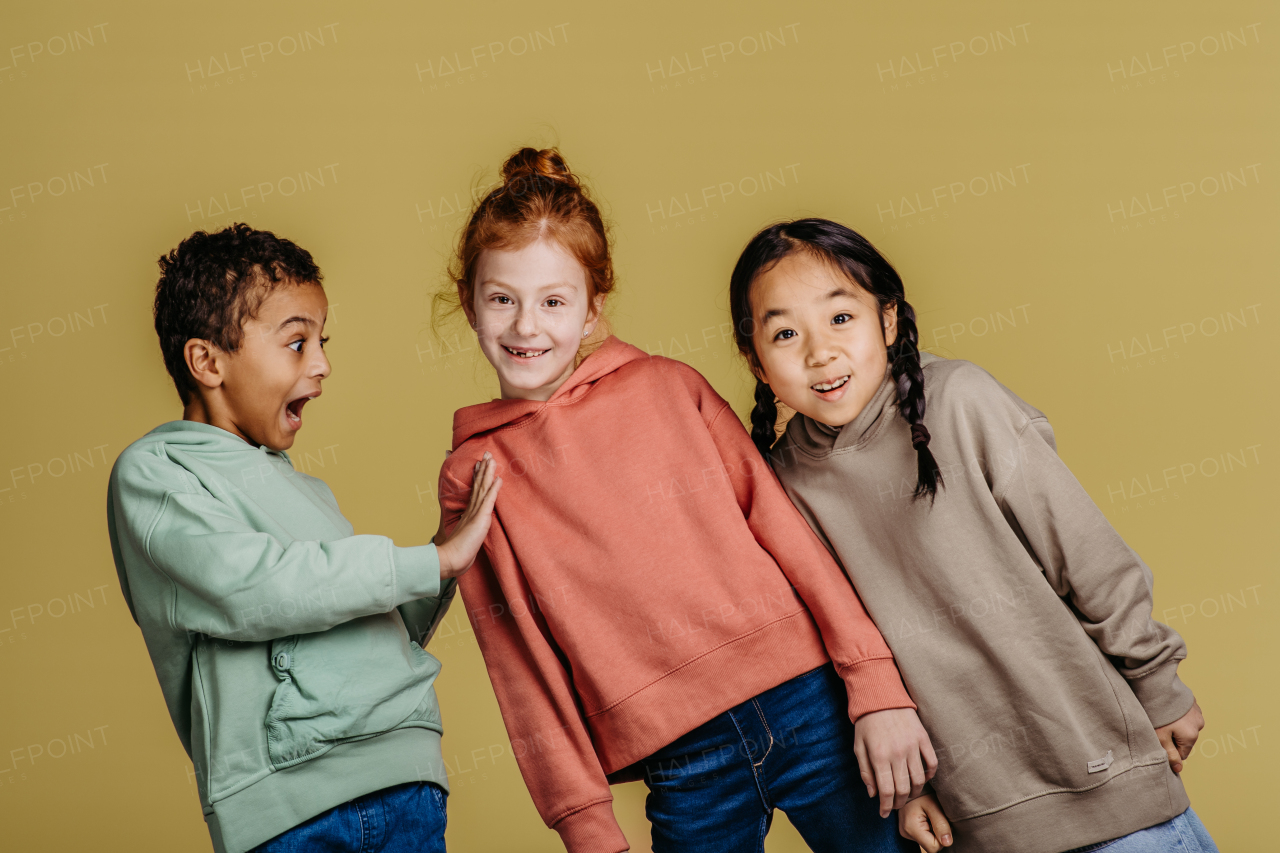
(648, 602)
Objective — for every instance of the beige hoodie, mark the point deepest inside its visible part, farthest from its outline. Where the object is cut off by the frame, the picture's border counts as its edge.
(1020, 620)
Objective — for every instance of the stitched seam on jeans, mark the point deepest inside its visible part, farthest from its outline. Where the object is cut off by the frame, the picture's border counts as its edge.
(742, 736)
(1182, 838)
(363, 834)
(765, 723)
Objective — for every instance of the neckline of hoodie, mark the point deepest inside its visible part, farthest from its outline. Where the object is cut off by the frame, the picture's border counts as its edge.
(215, 432)
(818, 441)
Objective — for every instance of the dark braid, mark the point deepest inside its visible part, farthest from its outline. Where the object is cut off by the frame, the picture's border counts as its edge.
(852, 253)
(764, 419)
(904, 361)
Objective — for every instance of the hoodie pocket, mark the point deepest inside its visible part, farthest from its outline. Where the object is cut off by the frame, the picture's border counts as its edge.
(349, 683)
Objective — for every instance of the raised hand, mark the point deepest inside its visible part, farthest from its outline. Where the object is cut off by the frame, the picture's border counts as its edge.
(458, 551)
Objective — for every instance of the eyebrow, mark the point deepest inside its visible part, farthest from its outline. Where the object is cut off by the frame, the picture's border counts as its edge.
(306, 321)
(782, 312)
(555, 285)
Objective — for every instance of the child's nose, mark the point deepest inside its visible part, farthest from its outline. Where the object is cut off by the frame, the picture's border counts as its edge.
(320, 367)
(526, 323)
(821, 352)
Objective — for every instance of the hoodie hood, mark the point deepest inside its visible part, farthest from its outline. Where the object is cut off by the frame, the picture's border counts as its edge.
(195, 437)
(473, 420)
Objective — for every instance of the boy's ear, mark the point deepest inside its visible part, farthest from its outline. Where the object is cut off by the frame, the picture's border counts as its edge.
(889, 318)
(203, 360)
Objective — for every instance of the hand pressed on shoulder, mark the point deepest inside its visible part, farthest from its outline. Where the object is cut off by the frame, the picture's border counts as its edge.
(1179, 737)
(895, 756)
(922, 821)
(458, 550)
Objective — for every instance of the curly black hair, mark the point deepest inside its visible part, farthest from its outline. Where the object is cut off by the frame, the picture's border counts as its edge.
(211, 283)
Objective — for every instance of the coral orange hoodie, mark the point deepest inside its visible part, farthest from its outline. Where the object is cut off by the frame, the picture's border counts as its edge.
(644, 572)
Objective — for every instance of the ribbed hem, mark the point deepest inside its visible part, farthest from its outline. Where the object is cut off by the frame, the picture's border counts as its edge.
(286, 798)
(681, 701)
(874, 685)
(1132, 800)
(1163, 695)
(592, 830)
(417, 572)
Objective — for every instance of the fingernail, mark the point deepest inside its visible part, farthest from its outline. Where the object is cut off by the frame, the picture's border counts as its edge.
(946, 839)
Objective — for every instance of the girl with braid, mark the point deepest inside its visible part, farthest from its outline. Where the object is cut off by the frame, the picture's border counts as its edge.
(648, 602)
(1020, 620)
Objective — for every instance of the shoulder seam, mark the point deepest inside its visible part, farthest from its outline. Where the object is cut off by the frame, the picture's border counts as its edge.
(146, 549)
(726, 407)
(999, 496)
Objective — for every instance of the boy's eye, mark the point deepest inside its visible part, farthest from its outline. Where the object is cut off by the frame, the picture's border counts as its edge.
(841, 318)
(296, 346)
(323, 341)
(785, 334)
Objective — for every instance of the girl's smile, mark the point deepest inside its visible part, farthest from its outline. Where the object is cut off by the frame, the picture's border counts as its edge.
(832, 390)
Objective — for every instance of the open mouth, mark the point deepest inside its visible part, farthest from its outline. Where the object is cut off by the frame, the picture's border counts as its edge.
(830, 390)
(525, 353)
(293, 410)
(824, 387)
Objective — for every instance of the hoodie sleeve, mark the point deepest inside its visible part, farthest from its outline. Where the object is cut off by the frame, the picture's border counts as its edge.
(1109, 587)
(423, 616)
(859, 652)
(228, 580)
(535, 692)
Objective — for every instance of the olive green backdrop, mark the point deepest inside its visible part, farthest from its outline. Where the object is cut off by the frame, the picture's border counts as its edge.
(1080, 197)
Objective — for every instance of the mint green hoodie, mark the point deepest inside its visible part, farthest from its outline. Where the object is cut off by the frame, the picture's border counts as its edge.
(289, 650)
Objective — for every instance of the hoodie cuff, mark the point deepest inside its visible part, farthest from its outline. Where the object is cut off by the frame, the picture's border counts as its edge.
(592, 830)
(417, 573)
(1163, 695)
(874, 685)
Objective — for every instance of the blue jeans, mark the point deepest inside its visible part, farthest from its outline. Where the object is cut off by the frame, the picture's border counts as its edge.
(1184, 834)
(407, 818)
(791, 748)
